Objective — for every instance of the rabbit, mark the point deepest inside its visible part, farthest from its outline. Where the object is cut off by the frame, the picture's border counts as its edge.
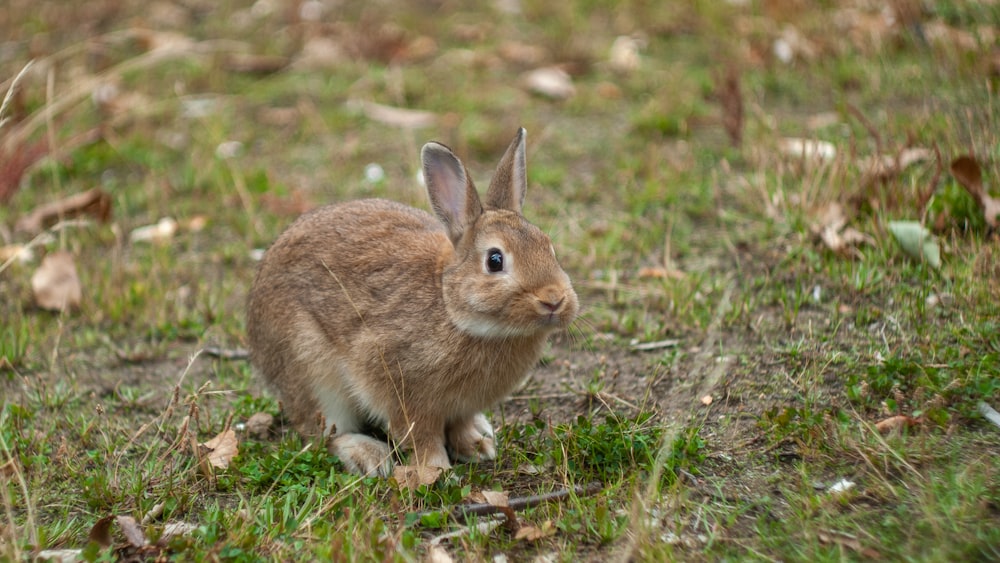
(373, 314)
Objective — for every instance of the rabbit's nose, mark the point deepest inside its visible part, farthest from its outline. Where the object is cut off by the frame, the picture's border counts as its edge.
(551, 305)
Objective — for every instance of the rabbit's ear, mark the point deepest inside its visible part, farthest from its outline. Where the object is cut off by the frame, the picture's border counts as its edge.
(510, 181)
(452, 194)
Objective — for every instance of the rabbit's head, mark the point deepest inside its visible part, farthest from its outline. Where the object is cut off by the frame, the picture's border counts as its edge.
(503, 279)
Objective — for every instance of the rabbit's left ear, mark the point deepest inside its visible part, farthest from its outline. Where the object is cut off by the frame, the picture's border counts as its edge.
(452, 193)
(510, 181)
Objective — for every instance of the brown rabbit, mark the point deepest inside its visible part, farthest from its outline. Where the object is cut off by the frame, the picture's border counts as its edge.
(374, 313)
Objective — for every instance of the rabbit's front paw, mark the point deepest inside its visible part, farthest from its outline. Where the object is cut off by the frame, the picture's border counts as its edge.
(472, 439)
(362, 454)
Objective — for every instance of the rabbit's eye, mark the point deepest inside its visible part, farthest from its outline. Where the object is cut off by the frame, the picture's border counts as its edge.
(494, 260)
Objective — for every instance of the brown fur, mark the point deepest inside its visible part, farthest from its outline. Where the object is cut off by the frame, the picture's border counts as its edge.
(390, 311)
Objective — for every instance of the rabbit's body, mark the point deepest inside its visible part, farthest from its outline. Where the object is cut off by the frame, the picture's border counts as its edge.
(374, 313)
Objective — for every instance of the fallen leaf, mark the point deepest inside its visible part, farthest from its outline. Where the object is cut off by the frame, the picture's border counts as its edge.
(895, 423)
(59, 555)
(551, 82)
(916, 241)
(731, 99)
(807, 149)
(163, 230)
(840, 486)
(221, 449)
(396, 117)
(437, 554)
(522, 53)
(133, 533)
(530, 532)
(624, 54)
(659, 272)
(174, 529)
(255, 64)
(155, 512)
(413, 476)
(100, 533)
(7, 469)
(495, 498)
(830, 227)
(887, 166)
(94, 202)
(55, 283)
(966, 170)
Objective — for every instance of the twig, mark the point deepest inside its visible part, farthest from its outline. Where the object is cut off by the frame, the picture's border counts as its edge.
(226, 353)
(463, 512)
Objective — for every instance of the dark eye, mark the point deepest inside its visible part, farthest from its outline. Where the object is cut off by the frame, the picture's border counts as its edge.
(494, 260)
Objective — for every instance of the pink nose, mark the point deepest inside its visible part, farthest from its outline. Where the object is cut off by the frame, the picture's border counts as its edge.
(553, 306)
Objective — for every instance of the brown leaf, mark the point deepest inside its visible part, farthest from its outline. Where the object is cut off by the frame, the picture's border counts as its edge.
(848, 541)
(397, 117)
(101, 532)
(966, 170)
(830, 227)
(412, 476)
(495, 498)
(255, 64)
(897, 422)
(551, 82)
(55, 284)
(133, 533)
(437, 554)
(731, 99)
(14, 162)
(659, 272)
(530, 532)
(7, 469)
(94, 202)
(221, 449)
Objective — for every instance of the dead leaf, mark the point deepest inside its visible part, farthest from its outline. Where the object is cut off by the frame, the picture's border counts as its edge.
(437, 554)
(59, 555)
(522, 53)
(174, 529)
(807, 149)
(94, 202)
(396, 117)
(495, 498)
(731, 99)
(55, 283)
(966, 170)
(221, 449)
(255, 64)
(886, 166)
(624, 54)
(849, 541)
(659, 272)
(101, 532)
(163, 230)
(530, 532)
(7, 469)
(895, 423)
(259, 424)
(413, 476)
(133, 533)
(830, 227)
(551, 82)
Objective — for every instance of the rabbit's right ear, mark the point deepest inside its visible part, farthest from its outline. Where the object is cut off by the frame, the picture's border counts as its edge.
(452, 194)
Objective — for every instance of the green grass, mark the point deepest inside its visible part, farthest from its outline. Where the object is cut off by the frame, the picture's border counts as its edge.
(802, 350)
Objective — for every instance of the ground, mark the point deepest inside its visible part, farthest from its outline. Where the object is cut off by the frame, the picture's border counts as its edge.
(721, 181)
